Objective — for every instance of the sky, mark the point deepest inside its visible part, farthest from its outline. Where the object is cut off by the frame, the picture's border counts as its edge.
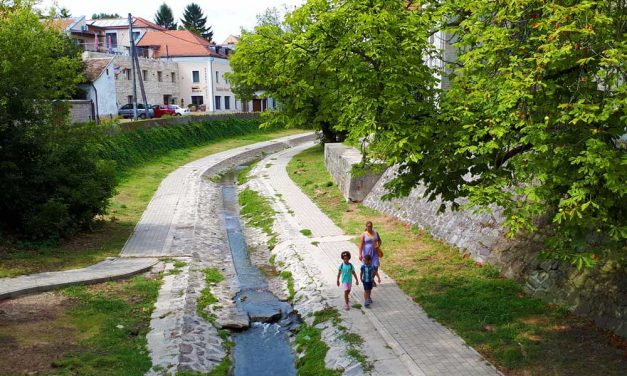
(225, 17)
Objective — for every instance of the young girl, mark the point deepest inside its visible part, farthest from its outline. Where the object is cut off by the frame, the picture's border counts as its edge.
(344, 271)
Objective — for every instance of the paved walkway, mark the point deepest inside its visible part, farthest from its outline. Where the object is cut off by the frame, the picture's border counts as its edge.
(423, 346)
(103, 271)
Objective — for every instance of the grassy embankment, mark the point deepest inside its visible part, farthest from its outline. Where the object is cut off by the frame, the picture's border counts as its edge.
(519, 334)
(145, 157)
(80, 330)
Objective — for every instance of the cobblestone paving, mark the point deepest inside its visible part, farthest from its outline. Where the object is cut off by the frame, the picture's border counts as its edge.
(423, 346)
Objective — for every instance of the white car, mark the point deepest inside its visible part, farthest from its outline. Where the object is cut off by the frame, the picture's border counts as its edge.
(179, 111)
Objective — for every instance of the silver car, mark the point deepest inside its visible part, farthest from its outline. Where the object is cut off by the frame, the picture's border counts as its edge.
(126, 111)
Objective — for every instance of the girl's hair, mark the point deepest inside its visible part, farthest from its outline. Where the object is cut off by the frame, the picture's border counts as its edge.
(345, 253)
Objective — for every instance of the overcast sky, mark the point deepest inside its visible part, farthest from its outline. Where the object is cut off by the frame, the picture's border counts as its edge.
(224, 16)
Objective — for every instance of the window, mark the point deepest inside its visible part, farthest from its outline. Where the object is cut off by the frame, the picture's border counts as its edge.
(135, 36)
(227, 102)
(128, 74)
(173, 77)
(145, 74)
(217, 77)
(218, 102)
(159, 76)
(195, 76)
(107, 71)
(196, 99)
(111, 40)
(130, 100)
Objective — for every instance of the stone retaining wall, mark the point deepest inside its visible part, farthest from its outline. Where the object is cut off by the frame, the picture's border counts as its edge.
(339, 160)
(599, 293)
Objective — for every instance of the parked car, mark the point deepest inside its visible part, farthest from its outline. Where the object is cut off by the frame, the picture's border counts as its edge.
(179, 111)
(161, 110)
(126, 111)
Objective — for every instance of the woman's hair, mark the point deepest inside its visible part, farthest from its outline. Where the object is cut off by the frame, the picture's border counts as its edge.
(344, 254)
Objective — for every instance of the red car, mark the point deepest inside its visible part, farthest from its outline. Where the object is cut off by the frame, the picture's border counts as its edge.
(161, 110)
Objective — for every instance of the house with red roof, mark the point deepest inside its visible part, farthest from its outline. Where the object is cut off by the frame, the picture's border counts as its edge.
(201, 68)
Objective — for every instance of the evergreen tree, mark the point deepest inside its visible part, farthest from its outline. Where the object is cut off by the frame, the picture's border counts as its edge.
(164, 17)
(195, 21)
(64, 12)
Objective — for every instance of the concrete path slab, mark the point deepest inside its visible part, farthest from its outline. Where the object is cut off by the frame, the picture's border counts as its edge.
(423, 346)
(103, 271)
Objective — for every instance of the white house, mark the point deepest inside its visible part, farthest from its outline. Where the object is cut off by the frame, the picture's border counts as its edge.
(100, 88)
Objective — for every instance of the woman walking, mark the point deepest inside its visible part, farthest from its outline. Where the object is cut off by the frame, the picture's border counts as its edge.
(370, 242)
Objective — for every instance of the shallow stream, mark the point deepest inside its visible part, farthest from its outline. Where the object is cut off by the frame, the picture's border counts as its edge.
(264, 348)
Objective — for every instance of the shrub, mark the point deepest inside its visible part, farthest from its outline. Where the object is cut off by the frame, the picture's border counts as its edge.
(52, 180)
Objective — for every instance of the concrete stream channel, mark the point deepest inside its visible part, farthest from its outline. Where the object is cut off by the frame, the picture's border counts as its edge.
(264, 348)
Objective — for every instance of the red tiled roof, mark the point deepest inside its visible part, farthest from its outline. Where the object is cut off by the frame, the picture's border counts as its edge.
(177, 43)
(142, 22)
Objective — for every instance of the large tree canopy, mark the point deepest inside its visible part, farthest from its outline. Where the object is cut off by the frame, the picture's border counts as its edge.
(164, 17)
(51, 180)
(194, 20)
(531, 123)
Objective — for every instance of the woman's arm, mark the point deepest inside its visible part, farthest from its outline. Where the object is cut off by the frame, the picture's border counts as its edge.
(361, 248)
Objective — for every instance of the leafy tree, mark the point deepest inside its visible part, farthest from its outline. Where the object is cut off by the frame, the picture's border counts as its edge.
(195, 21)
(51, 182)
(532, 123)
(97, 16)
(164, 17)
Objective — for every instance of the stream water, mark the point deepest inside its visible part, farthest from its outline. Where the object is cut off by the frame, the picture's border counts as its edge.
(264, 348)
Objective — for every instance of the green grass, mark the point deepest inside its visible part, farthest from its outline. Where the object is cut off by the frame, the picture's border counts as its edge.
(289, 278)
(516, 332)
(206, 298)
(136, 188)
(306, 232)
(257, 212)
(242, 175)
(113, 319)
(309, 343)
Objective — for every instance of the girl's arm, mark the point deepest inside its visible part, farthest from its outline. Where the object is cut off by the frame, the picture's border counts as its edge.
(338, 277)
(356, 279)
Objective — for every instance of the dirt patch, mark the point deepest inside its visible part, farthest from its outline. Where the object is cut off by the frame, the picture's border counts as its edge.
(34, 333)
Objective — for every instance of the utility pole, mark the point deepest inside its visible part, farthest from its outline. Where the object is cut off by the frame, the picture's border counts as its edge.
(130, 37)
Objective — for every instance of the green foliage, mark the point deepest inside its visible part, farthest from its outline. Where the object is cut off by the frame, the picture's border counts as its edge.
(195, 21)
(131, 148)
(257, 210)
(532, 123)
(311, 363)
(52, 181)
(242, 175)
(164, 17)
(206, 298)
(289, 278)
(101, 15)
(535, 112)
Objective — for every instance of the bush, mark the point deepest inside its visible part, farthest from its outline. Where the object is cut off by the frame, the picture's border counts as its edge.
(52, 180)
(131, 148)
